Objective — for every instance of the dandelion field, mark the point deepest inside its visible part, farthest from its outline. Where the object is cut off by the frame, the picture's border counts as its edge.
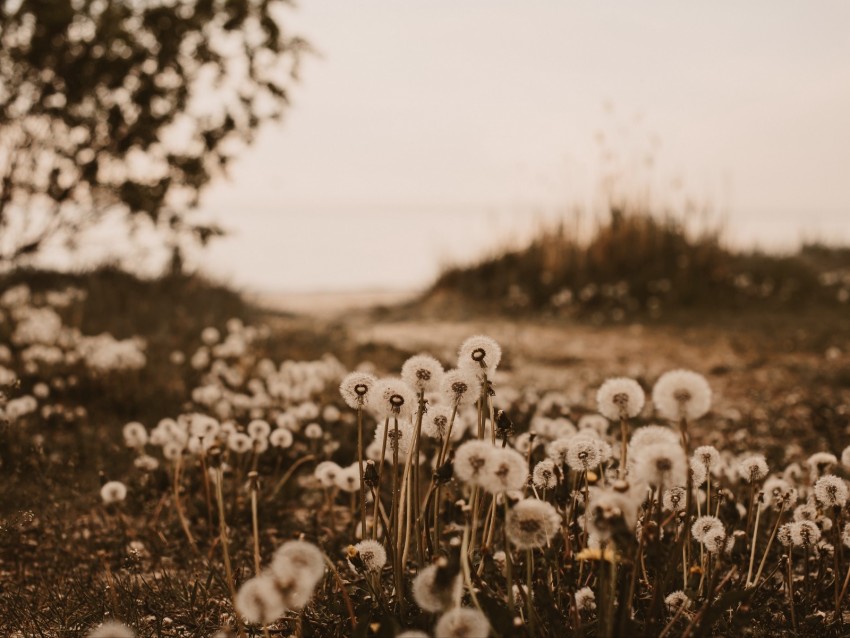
(183, 464)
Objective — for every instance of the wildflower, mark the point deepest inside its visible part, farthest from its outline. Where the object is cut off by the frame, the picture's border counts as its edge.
(845, 534)
(558, 449)
(807, 512)
(462, 622)
(620, 398)
(505, 470)
(543, 477)
(583, 454)
(650, 435)
(400, 438)
(677, 600)
(820, 463)
(480, 355)
(460, 387)
(704, 525)
(327, 472)
(661, 464)
(313, 431)
(111, 630)
(471, 459)
(610, 510)
(681, 394)
(135, 435)
(435, 423)
(674, 499)
(594, 422)
(348, 478)
(708, 456)
(113, 492)
(753, 468)
(372, 554)
(436, 587)
(532, 523)
(259, 600)
(300, 557)
(804, 534)
(146, 463)
(831, 490)
(422, 372)
(259, 429)
(281, 438)
(784, 534)
(845, 457)
(356, 389)
(585, 599)
(778, 492)
(240, 442)
(392, 399)
(715, 540)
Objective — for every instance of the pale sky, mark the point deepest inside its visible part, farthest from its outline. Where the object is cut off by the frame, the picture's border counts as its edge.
(433, 130)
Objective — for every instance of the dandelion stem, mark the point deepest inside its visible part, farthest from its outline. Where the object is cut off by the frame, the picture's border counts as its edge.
(253, 477)
(184, 523)
(624, 446)
(285, 478)
(753, 546)
(222, 527)
(508, 562)
(769, 543)
(791, 593)
(362, 489)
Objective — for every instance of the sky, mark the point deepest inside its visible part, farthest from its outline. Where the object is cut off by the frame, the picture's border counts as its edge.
(429, 132)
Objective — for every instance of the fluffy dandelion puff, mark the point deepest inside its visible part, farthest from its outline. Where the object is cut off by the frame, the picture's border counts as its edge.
(650, 435)
(778, 492)
(821, 462)
(681, 394)
(327, 472)
(280, 438)
(135, 435)
(462, 622)
(505, 470)
(708, 456)
(831, 491)
(677, 600)
(661, 464)
(412, 633)
(472, 460)
(595, 422)
(585, 599)
(435, 423)
(558, 450)
(240, 442)
(532, 523)
(609, 509)
(804, 534)
(698, 471)
(845, 457)
(348, 478)
(583, 454)
(753, 468)
(784, 534)
(715, 540)
(259, 429)
(675, 499)
(111, 630)
(422, 372)
(845, 534)
(314, 431)
(806, 512)
(460, 387)
(113, 492)
(303, 557)
(619, 398)
(543, 477)
(704, 525)
(479, 354)
(392, 398)
(436, 588)
(356, 389)
(401, 439)
(259, 601)
(373, 555)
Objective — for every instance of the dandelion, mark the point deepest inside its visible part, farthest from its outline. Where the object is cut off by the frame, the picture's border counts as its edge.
(436, 587)
(435, 423)
(543, 477)
(620, 398)
(372, 554)
(681, 394)
(135, 435)
(422, 372)
(845, 534)
(412, 633)
(661, 464)
(146, 463)
(392, 398)
(400, 439)
(280, 438)
(479, 354)
(845, 457)
(300, 557)
(327, 473)
(259, 600)
(459, 387)
(532, 523)
(462, 622)
(240, 442)
(356, 389)
(348, 478)
(804, 534)
(784, 534)
(650, 435)
(778, 493)
(610, 510)
(505, 470)
(753, 468)
(705, 525)
(313, 431)
(471, 459)
(674, 499)
(259, 429)
(677, 600)
(820, 463)
(585, 600)
(583, 454)
(113, 492)
(708, 456)
(112, 630)
(807, 512)
(558, 449)
(831, 491)
(715, 540)
(595, 422)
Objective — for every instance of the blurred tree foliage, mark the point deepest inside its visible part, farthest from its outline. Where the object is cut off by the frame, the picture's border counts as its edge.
(128, 108)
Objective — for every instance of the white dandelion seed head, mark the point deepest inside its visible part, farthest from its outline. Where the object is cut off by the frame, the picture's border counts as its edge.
(462, 622)
(259, 600)
(544, 477)
(422, 372)
(675, 499)
(845, 534)
(327, 472)
(280, 438)
(373, 555)
(259, 429)
(314, 431)
(287, 421)
(135, 435)
(793, 473)
(704, 525)
(660, 464)
(436, 588)
(610, 509)
(708, 456)
(805, 533)
(240, 442)
(551, 429)
(806, 512)
(831, 491)
(435, 423)
(146, 463)
(595, 422)
(201, 425)
(583, 454)
(620, 397)
(585, 599)
(715, 540)
(480, 355)
(677, 600)
(698, 472)
(356, 389)
(681, 394)
(113, 492)
(111, 630)
(650, 435)
(557, 450)
(845, 457)
(778, 493)
(821, 463)
(472, 460)
(301, 558)
(412, 633)
(753, 468)
(392, 398)
(348, 478)
(784, 534)
(400, 437)
(505, 470)
(532, 523)
(460, 387)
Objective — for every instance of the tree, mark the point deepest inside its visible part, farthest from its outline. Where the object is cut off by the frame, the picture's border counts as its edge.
(129, 108)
